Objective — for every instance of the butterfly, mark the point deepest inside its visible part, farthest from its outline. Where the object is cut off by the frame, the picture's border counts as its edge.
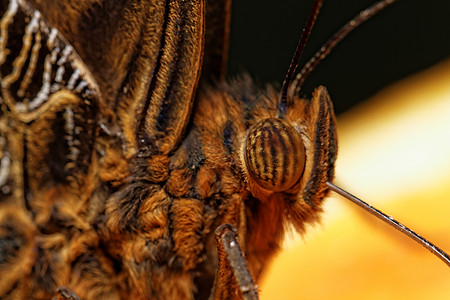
(119, 160)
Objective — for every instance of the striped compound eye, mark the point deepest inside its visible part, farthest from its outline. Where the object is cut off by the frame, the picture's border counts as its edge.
(274, 154)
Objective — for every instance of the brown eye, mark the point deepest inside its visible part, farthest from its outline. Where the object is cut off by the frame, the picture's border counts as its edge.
(274, 154)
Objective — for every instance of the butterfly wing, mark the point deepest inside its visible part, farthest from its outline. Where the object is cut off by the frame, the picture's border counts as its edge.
(49, 111)
(146, 57)
(218, 15)
(83, 84)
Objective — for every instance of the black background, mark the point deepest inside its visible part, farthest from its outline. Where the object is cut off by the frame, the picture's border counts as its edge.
(405, 38)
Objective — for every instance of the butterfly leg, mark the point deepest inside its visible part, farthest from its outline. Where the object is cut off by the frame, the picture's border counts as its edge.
(232, 268)
(64, 293)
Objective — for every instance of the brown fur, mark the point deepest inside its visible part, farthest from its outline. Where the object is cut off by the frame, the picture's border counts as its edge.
(118, 201)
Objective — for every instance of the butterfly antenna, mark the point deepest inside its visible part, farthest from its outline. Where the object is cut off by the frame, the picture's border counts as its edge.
(392, 222)
(298, 52)
(334, 40)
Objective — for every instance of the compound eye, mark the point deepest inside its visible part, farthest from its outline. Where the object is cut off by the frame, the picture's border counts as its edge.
(274, 154)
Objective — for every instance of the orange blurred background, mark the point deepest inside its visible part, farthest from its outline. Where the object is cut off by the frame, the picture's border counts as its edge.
(394, 152)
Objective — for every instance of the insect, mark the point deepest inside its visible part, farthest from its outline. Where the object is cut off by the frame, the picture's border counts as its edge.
(110, 187)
